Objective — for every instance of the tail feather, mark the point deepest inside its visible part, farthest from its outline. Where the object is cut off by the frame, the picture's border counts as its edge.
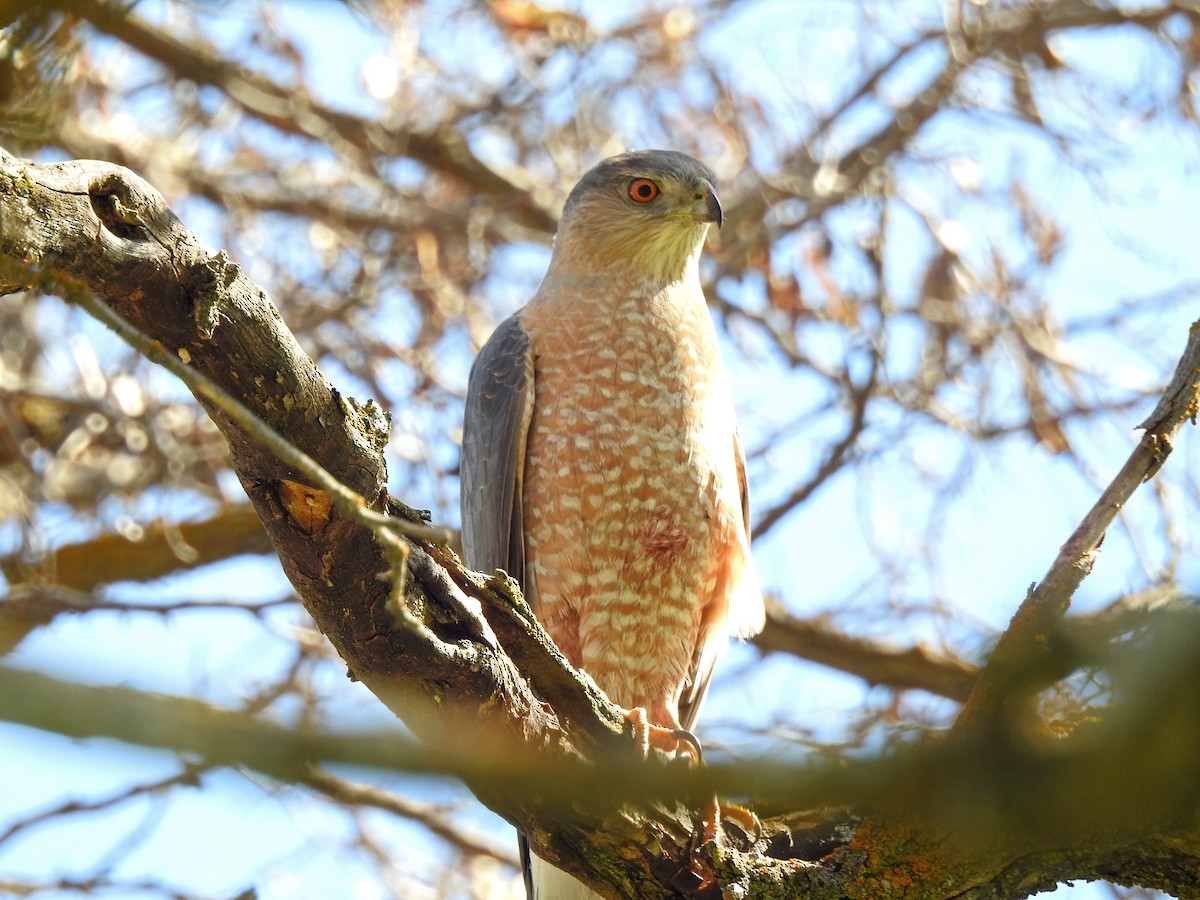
(544, 882)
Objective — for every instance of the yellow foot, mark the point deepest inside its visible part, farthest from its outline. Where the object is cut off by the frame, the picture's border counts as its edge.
(678, 741)
(740, 816)
(711, 828)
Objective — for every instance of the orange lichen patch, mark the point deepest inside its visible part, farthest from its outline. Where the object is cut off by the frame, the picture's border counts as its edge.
(897, 859)
(308, 507)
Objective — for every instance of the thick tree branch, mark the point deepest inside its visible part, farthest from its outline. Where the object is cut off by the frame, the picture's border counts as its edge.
(162, 549)
(914, 667)
(1022, 814)
(80, 568)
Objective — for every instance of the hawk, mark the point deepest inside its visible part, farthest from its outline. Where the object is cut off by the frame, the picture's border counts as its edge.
(601, 465)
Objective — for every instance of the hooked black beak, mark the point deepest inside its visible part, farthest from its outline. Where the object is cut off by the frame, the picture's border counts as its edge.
(708, 207)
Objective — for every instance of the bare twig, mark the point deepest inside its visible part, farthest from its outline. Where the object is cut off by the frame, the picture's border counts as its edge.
(1025, 639)
(189, 777)
(836, 457)
(350, 793)
(31, 599)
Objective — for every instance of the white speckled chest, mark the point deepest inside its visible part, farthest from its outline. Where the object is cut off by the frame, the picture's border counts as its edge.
(631, 497)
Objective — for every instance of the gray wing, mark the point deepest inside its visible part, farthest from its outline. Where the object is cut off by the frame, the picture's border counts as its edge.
(499, 407)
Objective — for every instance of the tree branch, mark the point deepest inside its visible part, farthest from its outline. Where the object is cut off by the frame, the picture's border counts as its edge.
(444, 150)
(79, 568)
(1029, 636)
(914, 667)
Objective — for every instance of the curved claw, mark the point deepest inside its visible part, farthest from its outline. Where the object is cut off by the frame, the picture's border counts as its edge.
(664, 738)
(685, 736)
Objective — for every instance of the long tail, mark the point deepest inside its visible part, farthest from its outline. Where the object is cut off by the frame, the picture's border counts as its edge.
(544, 882)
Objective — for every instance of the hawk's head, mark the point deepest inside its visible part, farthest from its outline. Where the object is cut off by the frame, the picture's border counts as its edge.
(644, 213)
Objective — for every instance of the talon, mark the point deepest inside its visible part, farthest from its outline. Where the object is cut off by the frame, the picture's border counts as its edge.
(682, 735)
(669, 740)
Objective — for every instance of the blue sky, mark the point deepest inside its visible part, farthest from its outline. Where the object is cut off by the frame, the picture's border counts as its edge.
(1129, 227)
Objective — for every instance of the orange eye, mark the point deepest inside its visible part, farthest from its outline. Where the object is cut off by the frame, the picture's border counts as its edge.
(642, 190)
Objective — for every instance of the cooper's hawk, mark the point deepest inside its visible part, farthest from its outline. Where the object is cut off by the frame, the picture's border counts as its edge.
(601, 465)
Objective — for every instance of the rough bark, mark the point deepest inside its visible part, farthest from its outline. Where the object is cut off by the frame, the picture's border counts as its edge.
(995, 811)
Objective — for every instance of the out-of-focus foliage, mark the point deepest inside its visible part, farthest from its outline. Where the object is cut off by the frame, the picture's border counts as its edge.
(955, 270)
